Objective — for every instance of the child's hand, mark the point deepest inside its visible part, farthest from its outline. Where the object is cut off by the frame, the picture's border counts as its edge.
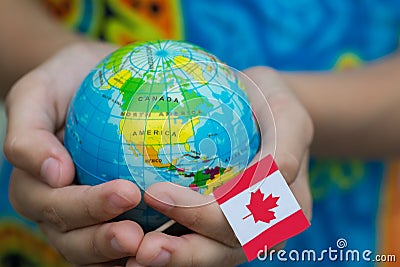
(38, 189)
(36, 108)
(287, 135)
(73, 218)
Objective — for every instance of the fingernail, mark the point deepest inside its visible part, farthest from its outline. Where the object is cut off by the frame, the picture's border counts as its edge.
(161, 259)
(120, 201)
(115, 245)
(51, 171)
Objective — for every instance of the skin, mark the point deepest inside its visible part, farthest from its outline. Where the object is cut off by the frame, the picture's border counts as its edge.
(29, 35)
(356, 112)
(75, 218)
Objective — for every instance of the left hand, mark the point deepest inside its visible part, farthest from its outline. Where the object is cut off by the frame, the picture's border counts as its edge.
(74, 219)
(214, 243)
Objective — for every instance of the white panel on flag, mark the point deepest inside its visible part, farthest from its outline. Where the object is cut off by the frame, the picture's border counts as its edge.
(235, 209)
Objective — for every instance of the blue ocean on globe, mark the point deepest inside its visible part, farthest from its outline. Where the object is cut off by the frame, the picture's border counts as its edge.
(161, 111)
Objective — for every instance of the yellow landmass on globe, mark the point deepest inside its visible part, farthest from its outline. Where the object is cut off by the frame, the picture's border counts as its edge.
(190, 67)
(151, 135)
(117, 80)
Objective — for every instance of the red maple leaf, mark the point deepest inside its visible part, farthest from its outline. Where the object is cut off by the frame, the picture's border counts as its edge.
(260, 208)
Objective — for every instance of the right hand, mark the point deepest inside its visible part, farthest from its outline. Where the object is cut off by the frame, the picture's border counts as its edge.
(73, 218)
(274, 105)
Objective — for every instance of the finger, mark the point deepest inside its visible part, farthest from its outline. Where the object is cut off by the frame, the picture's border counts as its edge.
(285, 126)
(159, 249)
(30, 142)
(97, 244)
(37, 107)
(195, 211)
(301, 188)
(116, 263)
(72, 206)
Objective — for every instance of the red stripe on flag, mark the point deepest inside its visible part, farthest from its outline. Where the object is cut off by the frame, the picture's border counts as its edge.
(243, 181)
(283, 230)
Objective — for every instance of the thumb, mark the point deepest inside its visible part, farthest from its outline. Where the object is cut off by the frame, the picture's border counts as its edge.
(31, 143)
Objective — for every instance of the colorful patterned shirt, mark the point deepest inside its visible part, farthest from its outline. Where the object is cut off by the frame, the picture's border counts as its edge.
(356, 202)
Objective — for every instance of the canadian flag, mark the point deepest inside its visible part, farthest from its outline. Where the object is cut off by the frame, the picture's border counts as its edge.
(260, 207)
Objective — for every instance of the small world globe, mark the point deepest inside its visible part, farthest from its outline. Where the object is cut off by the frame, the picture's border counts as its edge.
(161, 111)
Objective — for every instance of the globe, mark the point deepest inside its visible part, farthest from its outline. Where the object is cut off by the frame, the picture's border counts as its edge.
(161, 111)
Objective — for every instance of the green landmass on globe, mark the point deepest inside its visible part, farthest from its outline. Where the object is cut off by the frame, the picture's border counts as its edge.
(161, 111)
